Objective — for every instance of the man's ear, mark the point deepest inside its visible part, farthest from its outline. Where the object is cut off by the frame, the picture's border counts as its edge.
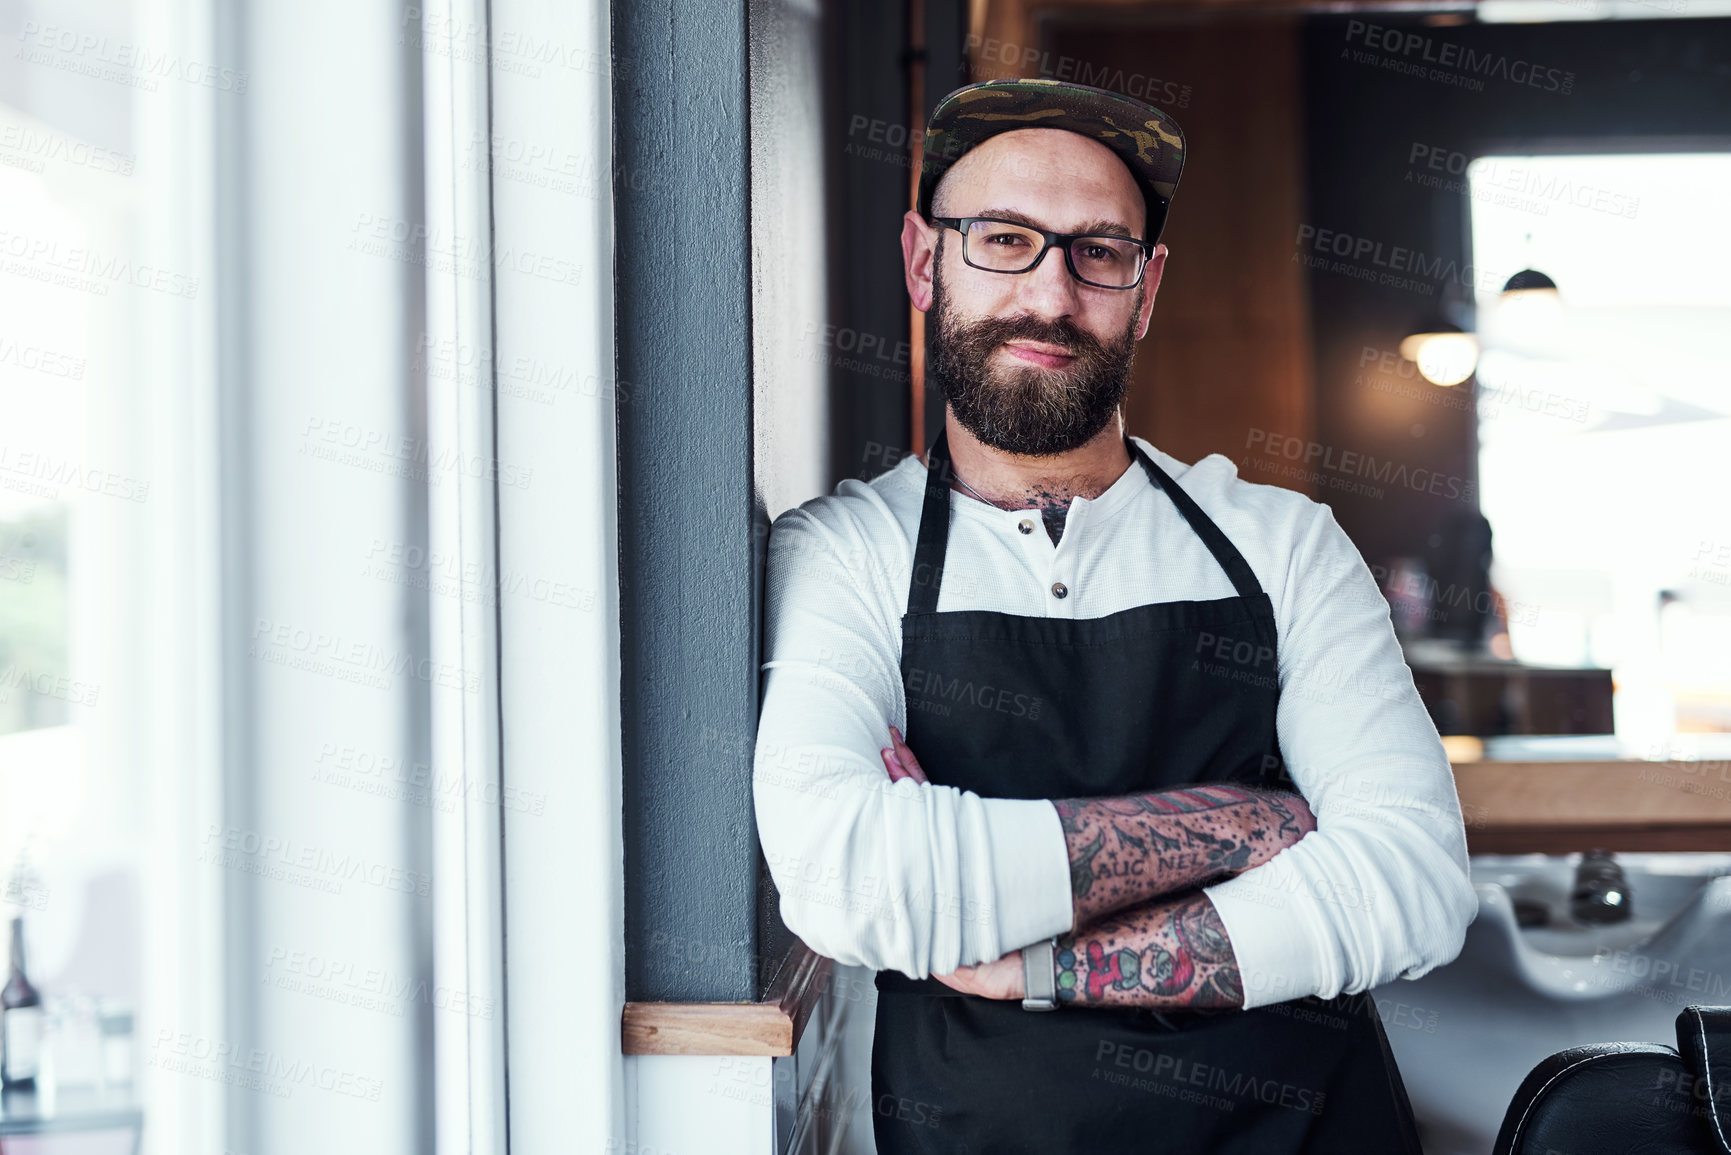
(1150, 286)
(919, 250)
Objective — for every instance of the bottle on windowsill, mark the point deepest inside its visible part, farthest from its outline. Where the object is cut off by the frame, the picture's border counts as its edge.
(20, 1020)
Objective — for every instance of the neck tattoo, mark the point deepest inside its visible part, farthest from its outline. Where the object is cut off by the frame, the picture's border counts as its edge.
(1053, 511)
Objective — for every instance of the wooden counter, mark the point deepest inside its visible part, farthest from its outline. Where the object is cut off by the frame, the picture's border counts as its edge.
(1561, 807)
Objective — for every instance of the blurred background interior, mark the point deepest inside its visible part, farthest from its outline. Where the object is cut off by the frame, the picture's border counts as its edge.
(310, 357)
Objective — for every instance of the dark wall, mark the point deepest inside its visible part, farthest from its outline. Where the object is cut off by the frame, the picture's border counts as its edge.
(1227, 355)
(870, 69)
(1372, 133)
(867, 347)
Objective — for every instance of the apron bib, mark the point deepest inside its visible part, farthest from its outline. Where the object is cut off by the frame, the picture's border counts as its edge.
(1010, 706)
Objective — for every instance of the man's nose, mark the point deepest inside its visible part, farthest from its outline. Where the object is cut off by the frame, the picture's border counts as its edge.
(1048, 289)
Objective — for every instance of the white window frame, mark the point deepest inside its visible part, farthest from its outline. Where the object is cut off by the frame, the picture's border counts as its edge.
(541, 740)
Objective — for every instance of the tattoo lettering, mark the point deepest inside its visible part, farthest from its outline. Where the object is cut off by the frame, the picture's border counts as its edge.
(1170, 841)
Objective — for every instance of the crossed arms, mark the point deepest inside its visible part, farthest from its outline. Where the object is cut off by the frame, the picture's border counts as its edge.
(878, 871)
(1137, 938)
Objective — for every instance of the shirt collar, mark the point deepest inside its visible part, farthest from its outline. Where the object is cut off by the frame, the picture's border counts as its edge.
(1128, 484)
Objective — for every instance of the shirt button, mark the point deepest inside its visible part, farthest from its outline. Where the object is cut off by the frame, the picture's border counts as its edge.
(1025, 526)
(1058, 590)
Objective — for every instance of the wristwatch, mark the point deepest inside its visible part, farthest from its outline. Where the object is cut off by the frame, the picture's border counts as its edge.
(1039, 980)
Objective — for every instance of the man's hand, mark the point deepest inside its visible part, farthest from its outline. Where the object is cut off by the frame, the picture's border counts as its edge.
(993, 980)
(900, 761)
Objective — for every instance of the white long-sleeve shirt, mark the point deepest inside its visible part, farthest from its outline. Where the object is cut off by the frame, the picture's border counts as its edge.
(923, 878)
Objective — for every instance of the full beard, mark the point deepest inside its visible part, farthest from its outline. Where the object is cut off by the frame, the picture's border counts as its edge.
(1024, 408)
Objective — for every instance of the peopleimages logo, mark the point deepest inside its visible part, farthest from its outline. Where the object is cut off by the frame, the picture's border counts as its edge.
(1168, 1073)
(100, 57)
(1386, 471)
(1508, 181)
(934, 689)
(1368, 251)
(1451, 63)
(1052, 66)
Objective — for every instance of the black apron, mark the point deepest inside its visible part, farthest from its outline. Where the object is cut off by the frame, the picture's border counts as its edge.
(1149, 698)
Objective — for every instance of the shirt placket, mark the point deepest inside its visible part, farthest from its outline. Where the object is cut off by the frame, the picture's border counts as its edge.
(1052, 561)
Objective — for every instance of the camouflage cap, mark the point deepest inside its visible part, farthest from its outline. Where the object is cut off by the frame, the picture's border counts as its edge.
(1149, 142)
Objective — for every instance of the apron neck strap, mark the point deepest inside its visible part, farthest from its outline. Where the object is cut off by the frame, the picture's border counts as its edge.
(934, 535)
(1238, 570)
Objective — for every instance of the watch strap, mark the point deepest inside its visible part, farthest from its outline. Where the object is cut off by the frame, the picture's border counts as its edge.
(1039, 979)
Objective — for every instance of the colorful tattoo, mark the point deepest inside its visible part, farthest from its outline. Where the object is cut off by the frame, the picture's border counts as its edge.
(1170, 973)
(1066, 963)
(1121, 973)
(1173, 954)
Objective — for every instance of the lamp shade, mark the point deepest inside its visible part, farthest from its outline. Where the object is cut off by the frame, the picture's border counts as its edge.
(1529, 309)
(1529, 280)
(1444, 353)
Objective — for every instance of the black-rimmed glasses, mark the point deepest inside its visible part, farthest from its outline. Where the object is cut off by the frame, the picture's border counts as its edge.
(997, 246)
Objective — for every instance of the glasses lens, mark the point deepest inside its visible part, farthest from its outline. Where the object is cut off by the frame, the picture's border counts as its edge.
(1001, 247)
(1110, 261)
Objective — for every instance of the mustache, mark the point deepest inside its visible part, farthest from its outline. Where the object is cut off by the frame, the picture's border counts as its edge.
(1065, 334)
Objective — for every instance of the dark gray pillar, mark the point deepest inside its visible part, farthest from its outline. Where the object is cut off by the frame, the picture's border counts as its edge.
(688, 597)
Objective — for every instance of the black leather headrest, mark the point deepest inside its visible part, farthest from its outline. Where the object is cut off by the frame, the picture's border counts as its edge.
(1704, 1041)
(1603, 1099)
(1617, 1098)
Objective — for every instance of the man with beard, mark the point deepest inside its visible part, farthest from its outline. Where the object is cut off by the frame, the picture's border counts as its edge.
(1161, 767)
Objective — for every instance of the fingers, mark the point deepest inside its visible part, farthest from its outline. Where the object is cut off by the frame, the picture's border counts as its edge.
(950, 981)
(997, 980)
(893, 766)
(906, 757)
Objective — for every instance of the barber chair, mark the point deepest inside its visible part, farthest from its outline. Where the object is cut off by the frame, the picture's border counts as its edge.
(1629, 1098)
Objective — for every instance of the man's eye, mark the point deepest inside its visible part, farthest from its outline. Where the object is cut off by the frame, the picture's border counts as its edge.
(1006, 239)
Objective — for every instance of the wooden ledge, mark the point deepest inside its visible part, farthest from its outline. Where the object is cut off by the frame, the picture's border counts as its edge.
(771, 1026)
(1563, 807)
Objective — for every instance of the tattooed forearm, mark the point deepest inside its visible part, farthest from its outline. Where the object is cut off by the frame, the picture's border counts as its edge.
(1163, 955)
(1128, 850)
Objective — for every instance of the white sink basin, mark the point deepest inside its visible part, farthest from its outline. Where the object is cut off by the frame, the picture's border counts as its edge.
(1466, 1034)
